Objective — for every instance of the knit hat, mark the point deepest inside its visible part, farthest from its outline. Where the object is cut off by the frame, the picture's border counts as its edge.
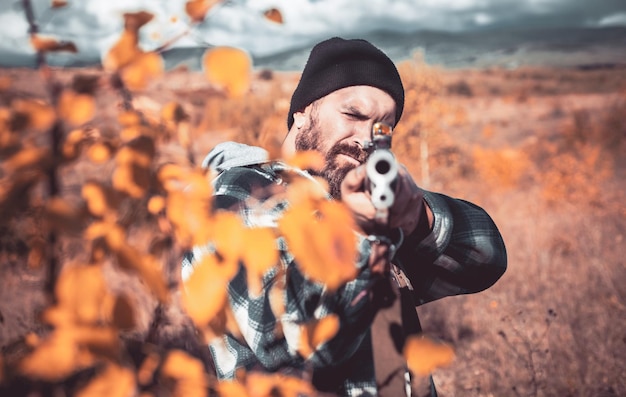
(338, 63)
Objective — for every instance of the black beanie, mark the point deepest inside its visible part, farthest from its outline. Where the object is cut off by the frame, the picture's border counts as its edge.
(338, 63)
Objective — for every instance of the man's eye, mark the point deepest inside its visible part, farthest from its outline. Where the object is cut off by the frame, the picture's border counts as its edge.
(355, 116)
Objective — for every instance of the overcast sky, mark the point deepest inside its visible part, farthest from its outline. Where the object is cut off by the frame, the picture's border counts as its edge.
(94, 25)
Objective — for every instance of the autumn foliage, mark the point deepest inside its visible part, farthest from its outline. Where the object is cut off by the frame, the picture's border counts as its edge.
(136, 212)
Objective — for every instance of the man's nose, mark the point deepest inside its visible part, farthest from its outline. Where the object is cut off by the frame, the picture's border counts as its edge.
(363, 133)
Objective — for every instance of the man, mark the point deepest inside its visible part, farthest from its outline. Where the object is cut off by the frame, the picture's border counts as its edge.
(444, 246)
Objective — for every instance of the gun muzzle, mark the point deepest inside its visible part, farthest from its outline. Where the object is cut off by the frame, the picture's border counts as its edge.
(382, 171)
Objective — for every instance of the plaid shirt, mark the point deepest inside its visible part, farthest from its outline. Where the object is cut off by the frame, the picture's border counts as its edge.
(464, 253)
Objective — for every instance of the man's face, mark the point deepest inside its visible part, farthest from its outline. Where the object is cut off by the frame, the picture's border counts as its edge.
(336, 126)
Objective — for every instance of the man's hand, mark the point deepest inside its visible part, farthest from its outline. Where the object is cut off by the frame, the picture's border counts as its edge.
(405, 212)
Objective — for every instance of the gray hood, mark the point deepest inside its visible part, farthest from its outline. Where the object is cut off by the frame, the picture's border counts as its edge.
(232, 154)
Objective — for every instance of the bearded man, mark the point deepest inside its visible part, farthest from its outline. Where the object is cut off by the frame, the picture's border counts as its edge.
(441, 246)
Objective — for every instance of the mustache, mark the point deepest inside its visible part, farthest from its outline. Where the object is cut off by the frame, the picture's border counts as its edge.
(354, 151)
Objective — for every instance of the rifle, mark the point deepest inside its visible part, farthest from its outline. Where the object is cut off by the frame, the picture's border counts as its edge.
(381, 170)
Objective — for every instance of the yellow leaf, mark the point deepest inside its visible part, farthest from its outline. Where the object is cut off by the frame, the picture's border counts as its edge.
(81, 290)
(131, 179)
(274, 15)
(156, 204)
(122, 52)
(38, 114)
(146, 371)
(259, 254)
(188, 203)
(112, 381)
(197, 9)
(54, 359)
(188, 374)
(48, 44)
(99, 152)
(317, 332)
(100, 200)
(28, 158)
(322, 240)
(424, 355)
(229, 388)
(205, 293)
(228, 237)
(228, 68)
(142, 69)
(72, 143)
(129, 118)
(173, 113)
(76, 108)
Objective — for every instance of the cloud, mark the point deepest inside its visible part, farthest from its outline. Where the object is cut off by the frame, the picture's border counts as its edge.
(618, 19)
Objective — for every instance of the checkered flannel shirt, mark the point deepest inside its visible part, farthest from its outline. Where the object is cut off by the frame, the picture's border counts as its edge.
(464, 253)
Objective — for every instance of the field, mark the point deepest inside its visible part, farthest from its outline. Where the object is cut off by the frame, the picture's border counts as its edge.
(541, 149)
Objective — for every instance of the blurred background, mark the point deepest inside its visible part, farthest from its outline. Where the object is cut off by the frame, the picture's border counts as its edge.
(517, 106)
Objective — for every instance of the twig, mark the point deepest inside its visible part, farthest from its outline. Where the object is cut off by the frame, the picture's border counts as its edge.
(56, 133)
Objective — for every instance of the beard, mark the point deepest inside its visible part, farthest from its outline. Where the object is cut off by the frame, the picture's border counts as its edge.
(333, 172)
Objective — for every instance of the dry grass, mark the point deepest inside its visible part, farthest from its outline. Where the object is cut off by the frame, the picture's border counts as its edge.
(540, 149)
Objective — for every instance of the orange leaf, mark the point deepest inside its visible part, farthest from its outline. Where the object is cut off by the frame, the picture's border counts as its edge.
(156, 204)
(59, 3)
(48, 44)
(143, 68)
(229, 68)
(76, 108)
(258, 255)
(38, 114)
(81, 290)
(229, 235)
(205, 292)
(146, 371)
(54, 359)
(100, 200)
(317, 332)
(173, 113)
(99, 152)
(188, 374)
(131, 179)
(322, 240)
(28, 158)
(274, 15)
(424, 355)
(197, 9)
(122, 52)
(72, 143)
(230, 388)
(112, 381)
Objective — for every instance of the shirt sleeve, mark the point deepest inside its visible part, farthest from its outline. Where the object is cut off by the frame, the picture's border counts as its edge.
(464, 252)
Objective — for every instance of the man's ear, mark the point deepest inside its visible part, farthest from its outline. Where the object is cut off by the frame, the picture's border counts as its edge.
(298, 119)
